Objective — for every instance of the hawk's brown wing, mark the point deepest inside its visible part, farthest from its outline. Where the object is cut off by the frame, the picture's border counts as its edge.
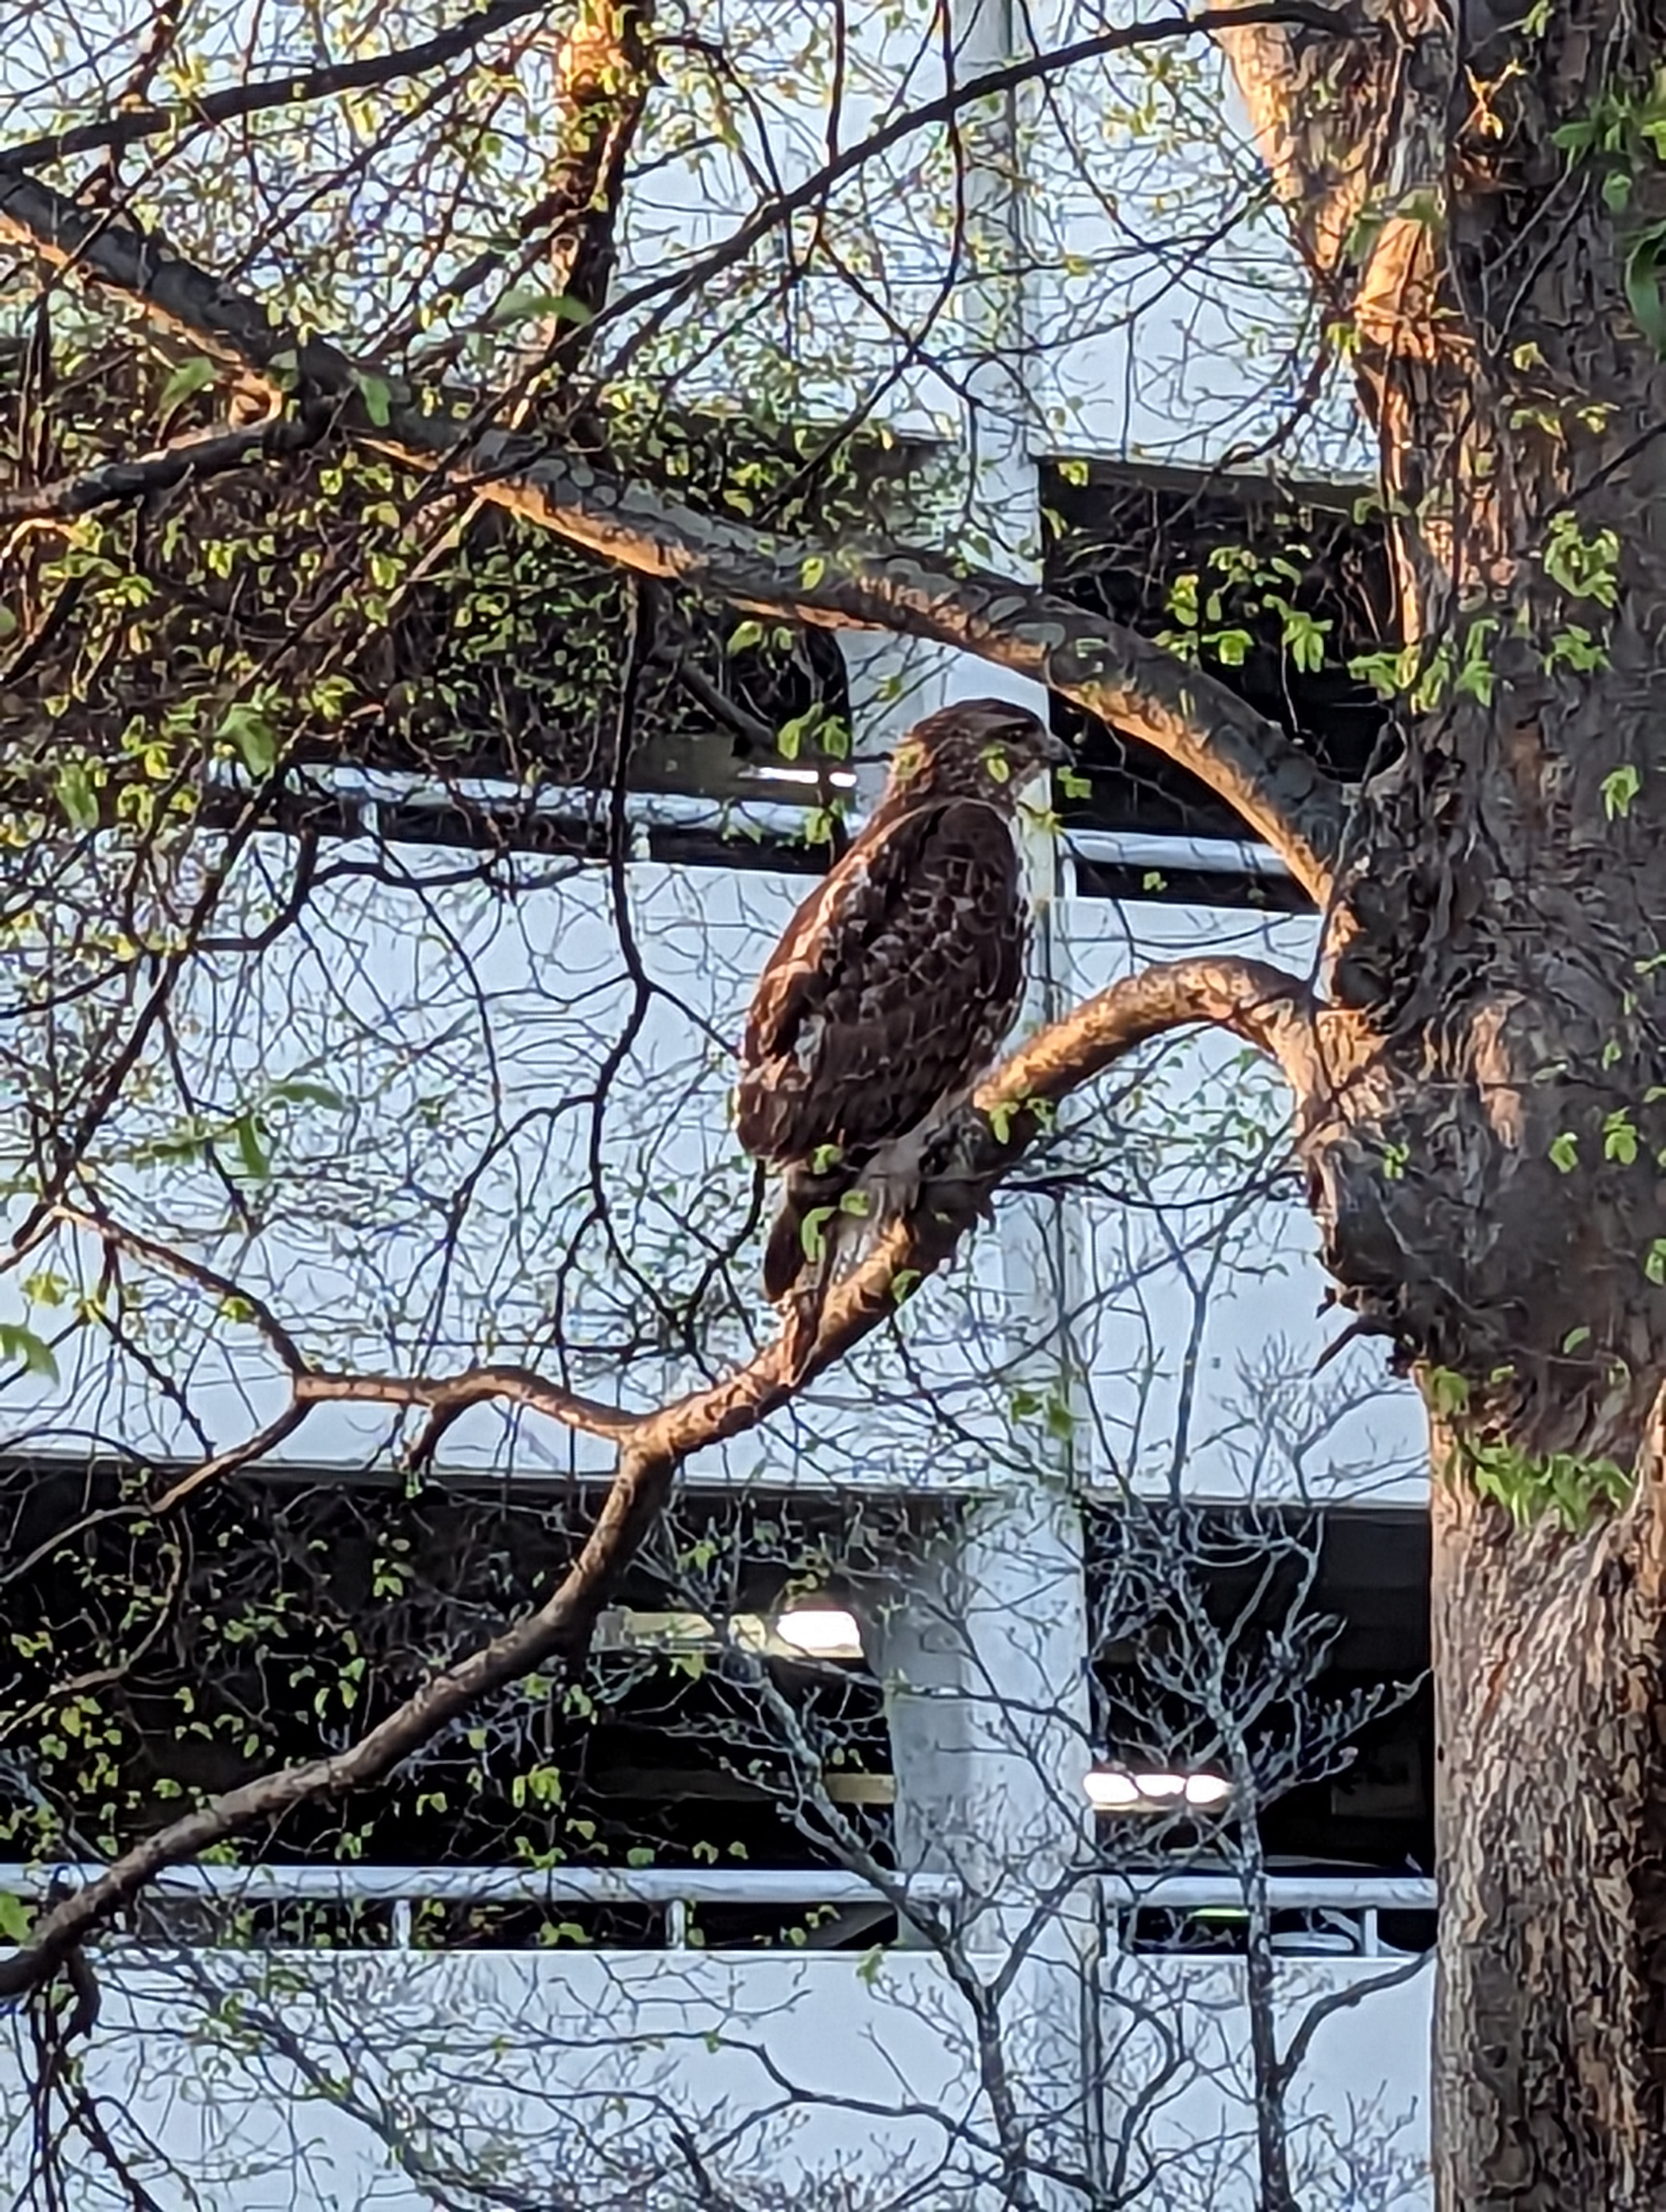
(896, 981)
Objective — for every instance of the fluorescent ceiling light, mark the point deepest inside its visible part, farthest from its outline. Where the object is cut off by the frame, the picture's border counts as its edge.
(1115, 1789)
(840, 779)
(820, 1632)
(806, 1630)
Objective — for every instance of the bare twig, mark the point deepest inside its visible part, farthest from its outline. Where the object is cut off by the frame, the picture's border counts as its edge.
(1258, 1002)
(293, 88)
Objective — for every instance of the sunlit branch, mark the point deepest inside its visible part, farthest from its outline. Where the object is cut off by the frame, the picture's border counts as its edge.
(202, 453)
(1260, 1003)
(1112, 671)
(446, 1397)
(602, 78)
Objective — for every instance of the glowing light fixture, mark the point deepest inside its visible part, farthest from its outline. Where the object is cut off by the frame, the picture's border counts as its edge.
(1115, 1789)
(820, 1632)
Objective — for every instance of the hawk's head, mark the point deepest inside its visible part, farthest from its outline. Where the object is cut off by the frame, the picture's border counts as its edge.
(984, 749)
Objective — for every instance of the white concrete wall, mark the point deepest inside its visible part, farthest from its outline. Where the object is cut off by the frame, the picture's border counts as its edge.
(1162, 311)
(829, 2083)
(1357, 2117)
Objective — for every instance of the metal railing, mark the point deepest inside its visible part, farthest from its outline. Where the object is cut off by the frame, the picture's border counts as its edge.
(1353, 1901)
(675, 1891)
(672, 1891)
(763, 817)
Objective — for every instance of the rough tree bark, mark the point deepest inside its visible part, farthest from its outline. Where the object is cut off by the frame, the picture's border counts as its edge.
(1479, 1101)
(1485, 1155)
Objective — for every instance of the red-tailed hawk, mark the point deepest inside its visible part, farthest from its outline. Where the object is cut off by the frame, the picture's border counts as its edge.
(894, 987)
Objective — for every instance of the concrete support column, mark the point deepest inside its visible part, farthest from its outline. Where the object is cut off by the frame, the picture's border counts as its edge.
(981, 1640)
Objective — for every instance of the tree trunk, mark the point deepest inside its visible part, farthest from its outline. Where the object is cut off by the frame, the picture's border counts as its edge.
(1551, 2010)
(1486, 1152)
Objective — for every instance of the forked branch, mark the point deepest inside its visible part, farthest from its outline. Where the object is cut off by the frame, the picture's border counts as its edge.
(234, 103)
(1261, 1003)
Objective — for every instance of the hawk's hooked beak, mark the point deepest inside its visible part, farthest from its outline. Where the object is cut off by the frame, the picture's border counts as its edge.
(1037, 792)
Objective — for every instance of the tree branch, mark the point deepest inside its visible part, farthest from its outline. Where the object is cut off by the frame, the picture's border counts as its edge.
(1340, 2000)
(1321, 19)
(1260, 1003)
(1111, 671)
(448, 1396)
(204, 453)
(601, 79)
(1316, 106)
(293, 88)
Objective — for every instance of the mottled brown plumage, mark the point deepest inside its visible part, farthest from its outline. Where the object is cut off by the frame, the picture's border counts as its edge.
(894, 987)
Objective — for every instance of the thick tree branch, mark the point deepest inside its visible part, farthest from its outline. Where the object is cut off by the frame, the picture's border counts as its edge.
(603, 74)
(1264, 1004)
(1261, 1003)
(1315, 103)
(1113, 673)
(204, 453)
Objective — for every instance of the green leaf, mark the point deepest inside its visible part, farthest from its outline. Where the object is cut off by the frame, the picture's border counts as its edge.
(300, 1091)
(1446, 1391)
(22, 1344)
(1575, 138)
(190, 376)
(639, 1855)
(1643, 294)
(244, 726)
(1619, 789)
(812, 1231)
(16, 1919)
(1565, 1152)
(1620, 1138)
(1654, 1266)
(526, 304)
(250, 1150)
(789, 738)
(378, 399)
(744, 636)
(75, 795)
